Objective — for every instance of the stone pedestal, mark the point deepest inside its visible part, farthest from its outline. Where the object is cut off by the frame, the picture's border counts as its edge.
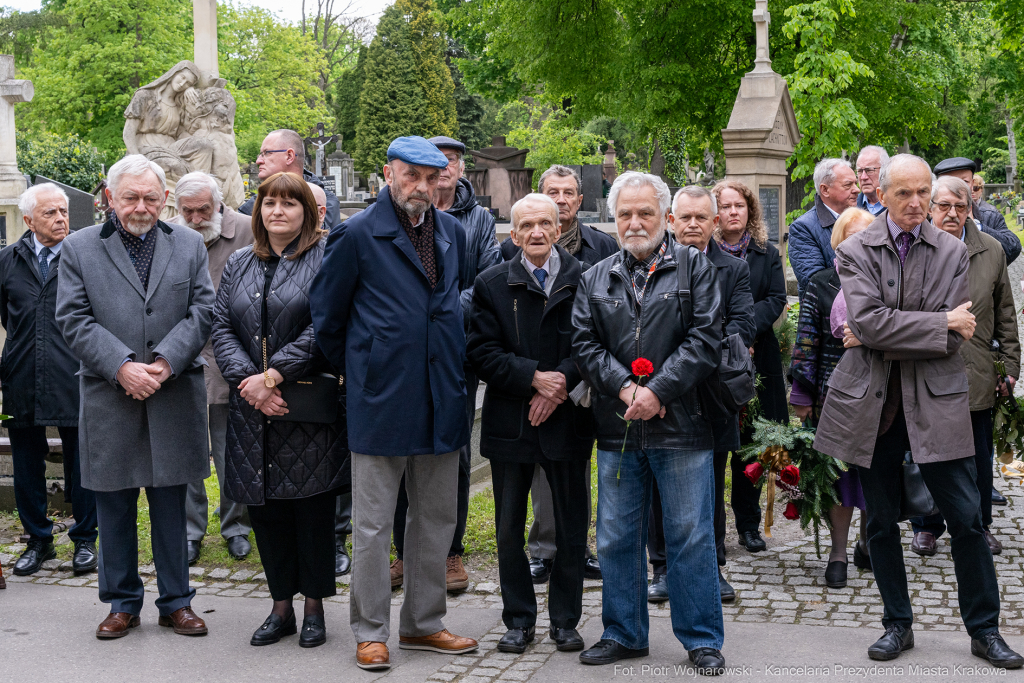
(499, 174)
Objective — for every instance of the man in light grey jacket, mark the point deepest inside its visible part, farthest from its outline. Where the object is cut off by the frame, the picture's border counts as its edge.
(135, 305)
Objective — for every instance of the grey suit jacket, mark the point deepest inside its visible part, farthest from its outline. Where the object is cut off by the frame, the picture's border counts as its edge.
(105, 317)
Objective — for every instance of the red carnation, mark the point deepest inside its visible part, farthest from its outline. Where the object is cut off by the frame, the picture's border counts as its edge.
(790, 475)
(753, 472)
(643, 367)
(792, 511)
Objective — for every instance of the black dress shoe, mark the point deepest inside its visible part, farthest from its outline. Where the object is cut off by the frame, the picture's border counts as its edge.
(85, 559)
(516, 639)
(239, 547)
(31, 561)
(592, 569)
(724, 589)
(835, 575)
(566, 639)
(314, 631)
(540, 570)
(861, 560)
(193, 551)
(708, 661)
(658, 590)
(997, 498)
(993, 648)
(896, 639)
(752, 541)
(273, 629)
(607, 651)
(342, 563)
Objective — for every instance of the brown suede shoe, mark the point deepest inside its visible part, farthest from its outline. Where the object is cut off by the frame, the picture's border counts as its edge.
(185, 622)
(116, 625)
(923, 544)
(397, 573)
(373, 656)
(442, 642)
(455, 576)
(993, 543)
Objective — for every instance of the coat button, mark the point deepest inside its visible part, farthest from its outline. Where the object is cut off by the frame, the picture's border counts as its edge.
(149, 311)
(433, 359)
(259, 471)
(892, 283)
(433, 317)
(149, 345)
(878, 394)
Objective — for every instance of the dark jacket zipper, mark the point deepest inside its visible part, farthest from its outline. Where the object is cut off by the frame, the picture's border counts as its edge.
(515, 314)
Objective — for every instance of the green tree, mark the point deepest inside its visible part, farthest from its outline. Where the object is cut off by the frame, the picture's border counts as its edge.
(64, 158)
(550, 138)
(429, 45)
(345, 99)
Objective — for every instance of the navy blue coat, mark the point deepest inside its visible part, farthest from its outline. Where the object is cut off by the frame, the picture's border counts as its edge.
(403, 345)
(810, 243)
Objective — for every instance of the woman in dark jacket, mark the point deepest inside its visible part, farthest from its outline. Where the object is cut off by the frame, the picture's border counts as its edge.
(287, 472)
(741, 232)
(520, 345)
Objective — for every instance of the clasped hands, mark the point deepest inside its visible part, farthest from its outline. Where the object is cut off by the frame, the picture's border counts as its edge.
(551, 392)
(141, 380)
(644, 406)
(261, 397)
(959, 320)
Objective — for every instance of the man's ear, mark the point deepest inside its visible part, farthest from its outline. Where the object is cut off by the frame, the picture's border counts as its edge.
(881, 197)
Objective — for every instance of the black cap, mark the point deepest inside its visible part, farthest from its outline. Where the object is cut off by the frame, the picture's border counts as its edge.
(443, 141)
(955, 164)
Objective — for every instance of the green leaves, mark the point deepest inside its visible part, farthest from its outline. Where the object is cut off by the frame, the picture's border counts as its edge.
(65, 158)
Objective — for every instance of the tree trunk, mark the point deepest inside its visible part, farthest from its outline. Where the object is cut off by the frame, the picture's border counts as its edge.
(1011, 140)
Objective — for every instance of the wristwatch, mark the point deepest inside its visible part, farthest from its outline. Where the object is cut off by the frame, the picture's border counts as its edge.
(268, 381)
(626, 384)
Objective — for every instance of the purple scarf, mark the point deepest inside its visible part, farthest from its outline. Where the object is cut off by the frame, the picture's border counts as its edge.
(739, 250)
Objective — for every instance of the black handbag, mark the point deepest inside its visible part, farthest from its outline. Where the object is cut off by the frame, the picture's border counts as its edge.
(313, 398)
(916, 500)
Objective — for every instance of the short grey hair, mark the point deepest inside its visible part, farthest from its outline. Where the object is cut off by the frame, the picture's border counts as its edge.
(30, 198)
(695, 192)
(637, 180)
(825, 172)
(133, 166)
(533, 198)
(293, 141)
(894, 164)
(196, 183)
(561, 172)
(952, 184)
(883, 156)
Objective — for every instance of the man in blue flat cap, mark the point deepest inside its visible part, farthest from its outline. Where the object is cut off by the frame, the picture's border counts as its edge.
(385, 306)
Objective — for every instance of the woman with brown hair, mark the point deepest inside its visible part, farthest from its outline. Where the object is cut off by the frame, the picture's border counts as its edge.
(287, 467)
(741, 233)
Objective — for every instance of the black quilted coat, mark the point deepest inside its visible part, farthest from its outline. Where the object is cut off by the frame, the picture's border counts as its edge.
(272, 459)
(816, 352)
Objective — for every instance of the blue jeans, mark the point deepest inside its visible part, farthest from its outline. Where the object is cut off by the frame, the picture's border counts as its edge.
(686, 482)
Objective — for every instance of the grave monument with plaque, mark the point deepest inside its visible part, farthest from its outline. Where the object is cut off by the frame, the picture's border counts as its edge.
(12, 182)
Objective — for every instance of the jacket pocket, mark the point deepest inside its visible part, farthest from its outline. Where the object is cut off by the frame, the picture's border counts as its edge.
(850, 385)
(945, 385)
(502, 418)
(181, 285)
(375, 366)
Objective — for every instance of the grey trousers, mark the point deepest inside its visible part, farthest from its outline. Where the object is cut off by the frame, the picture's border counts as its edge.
(541, 539)
(432, 483)
(234, 520)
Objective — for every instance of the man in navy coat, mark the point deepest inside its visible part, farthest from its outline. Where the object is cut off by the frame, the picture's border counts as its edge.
(386, 307)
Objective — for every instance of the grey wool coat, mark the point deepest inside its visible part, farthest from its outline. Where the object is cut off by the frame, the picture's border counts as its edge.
(106, 317)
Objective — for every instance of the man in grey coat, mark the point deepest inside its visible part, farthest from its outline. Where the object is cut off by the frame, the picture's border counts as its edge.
(135, 305)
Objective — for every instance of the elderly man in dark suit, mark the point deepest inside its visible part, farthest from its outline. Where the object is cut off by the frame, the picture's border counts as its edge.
(38, 377)
(135, 304)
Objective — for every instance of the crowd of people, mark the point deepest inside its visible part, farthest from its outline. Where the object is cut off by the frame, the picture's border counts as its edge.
(329, 370)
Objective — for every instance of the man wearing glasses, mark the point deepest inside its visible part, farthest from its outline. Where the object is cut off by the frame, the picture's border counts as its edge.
(990, 219)
(869, 163)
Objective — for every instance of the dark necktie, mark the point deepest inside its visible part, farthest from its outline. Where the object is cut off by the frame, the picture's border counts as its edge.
(541, 275)
(44, 263)
(903, 241)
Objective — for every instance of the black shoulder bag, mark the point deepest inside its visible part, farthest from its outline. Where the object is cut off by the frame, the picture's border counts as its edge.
(313, 398)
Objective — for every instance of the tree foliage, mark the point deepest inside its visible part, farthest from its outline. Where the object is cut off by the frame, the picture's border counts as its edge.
(64, 158)
(544, 131)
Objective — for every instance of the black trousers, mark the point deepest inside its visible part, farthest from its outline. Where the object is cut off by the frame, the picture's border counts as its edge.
(746, 498)
(295, 537)
(569, 492)
(953, 486)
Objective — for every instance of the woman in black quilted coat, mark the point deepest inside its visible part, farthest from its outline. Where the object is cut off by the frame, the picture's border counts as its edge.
(288, 473)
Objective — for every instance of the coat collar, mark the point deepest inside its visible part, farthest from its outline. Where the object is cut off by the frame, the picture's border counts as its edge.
(26, 249)
(825, 217)
(877, 233)
(227, 222)
(719, 257)
(569, 271)
(385, 224)
(119, 255)
(973, 241)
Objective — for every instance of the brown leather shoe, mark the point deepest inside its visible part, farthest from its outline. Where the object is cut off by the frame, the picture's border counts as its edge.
(993, 543)
(442, 642)
(116, 625)
(397, 573)
(923, 544)
(455, 576)
(185, 622)
(373, 656)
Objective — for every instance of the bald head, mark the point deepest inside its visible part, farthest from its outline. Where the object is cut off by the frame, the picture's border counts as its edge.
(282, 151)
(321, 201)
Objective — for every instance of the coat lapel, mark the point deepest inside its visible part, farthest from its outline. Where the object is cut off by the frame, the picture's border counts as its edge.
(161, 255)
(25, 249)
(386, 225)
(119, 255)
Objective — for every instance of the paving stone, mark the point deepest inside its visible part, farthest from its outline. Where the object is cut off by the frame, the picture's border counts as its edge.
(219, 573)
(242, 575)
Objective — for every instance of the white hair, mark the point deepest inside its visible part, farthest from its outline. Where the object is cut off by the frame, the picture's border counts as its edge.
(194, 184)
(133, 166)
(825, 172)
(533, 198)
(952, 184)
(695, 192)
(896, 163)
(30, 198)
(637, 180)
(883, 156)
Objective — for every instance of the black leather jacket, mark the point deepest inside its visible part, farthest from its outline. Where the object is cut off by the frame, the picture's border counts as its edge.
(607, 338)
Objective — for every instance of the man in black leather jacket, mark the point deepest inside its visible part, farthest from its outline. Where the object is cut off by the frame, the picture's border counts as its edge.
(655, 303)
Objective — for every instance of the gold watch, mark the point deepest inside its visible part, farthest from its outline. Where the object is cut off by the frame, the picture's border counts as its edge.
(268, 381)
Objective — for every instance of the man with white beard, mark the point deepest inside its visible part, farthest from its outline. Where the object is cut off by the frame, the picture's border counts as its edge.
(197, 198)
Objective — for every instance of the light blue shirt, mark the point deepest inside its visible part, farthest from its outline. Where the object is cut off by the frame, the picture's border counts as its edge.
(54, 250)
(550, 267)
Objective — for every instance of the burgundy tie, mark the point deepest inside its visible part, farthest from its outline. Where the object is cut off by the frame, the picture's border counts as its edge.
(903, 241)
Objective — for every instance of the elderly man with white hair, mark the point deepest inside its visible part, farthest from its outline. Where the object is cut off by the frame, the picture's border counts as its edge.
(38, 378)
(135, 305)
(200, 206)
(647, 330)
(870, 160)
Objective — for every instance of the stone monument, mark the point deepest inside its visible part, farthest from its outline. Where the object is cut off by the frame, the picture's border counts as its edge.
(500, 174)
(762, 133)
(319, 143)
(12, 182)
(204, 21)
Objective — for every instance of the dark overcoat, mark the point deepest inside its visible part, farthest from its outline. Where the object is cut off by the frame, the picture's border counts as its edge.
(768, 286)
(596, 247)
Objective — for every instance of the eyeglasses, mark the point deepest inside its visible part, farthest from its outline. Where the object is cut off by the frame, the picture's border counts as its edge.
(978, 187)
(265, 152)
(944, 207)
(869, 170)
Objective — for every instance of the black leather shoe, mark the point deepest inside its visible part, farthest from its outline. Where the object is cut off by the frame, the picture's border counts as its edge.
(540, 570)
(592, 569)
(193, 551)
(752, 541)
(566, 639)
(85, 559)
(314, 631)
(993, 648)
(896, 639)
(835, 575)
(724, 589)
(607, 651)
(342, 563)
(31, 561)
(997, 498)
(861, 560)
(516, 639)
(239, 547)
(708, 661)
(658, 590)
(273, 629)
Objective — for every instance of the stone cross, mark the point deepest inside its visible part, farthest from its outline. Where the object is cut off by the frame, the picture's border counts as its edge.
(11, 91)
(204, 20)
(320, 142)
(762, 63)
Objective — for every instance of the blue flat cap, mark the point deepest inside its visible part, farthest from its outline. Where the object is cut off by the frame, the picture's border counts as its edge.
(416, 151)
(954, 164)
(443, 142)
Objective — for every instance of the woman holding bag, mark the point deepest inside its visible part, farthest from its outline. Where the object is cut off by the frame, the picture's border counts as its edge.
(287, 457)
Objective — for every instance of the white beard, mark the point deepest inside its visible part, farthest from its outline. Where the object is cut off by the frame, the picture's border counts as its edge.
(646, 246)
(211, 229)
(137, 227)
